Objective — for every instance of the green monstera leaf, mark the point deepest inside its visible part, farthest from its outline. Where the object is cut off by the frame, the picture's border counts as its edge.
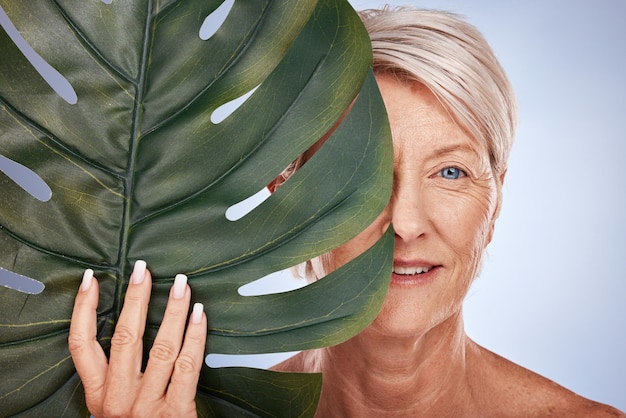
(139, 166)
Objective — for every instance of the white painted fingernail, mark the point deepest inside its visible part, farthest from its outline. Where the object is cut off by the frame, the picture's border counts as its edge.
(196, 313)
(180, 285)
(87, 279)
(139, 271)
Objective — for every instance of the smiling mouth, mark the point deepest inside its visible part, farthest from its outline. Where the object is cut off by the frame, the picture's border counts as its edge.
(411, 271)
(412, 275)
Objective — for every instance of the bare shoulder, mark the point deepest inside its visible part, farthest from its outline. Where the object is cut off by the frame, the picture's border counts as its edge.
(512, 390)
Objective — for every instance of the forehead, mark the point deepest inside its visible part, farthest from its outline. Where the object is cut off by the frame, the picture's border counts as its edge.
(420, 125)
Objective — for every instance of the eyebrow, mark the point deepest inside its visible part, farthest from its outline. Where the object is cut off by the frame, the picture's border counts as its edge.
(434, 153)
(461, 146)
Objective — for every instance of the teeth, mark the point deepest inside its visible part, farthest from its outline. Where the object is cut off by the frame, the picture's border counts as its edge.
(410, 270)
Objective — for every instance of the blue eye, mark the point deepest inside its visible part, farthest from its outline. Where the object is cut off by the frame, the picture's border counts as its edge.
(451, 173)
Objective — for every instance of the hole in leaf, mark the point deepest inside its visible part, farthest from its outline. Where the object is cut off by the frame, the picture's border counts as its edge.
(26, 179)
(20, 283)
(228, 108)
(241, 209)
(215, 20)
(258, 361)
(58, 83)
(107, 1)
(279, 282)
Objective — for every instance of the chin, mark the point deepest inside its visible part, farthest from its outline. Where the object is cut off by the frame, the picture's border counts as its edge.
(411, 313)
(401, 316)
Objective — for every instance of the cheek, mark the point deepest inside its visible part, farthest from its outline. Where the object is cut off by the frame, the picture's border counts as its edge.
(466, 220)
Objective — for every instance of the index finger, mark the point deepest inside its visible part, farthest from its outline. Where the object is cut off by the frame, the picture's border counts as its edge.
(87, 354)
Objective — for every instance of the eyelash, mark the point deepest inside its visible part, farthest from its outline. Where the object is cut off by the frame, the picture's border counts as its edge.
(454, 171)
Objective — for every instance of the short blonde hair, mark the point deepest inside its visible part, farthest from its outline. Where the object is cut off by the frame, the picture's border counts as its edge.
(452, 59)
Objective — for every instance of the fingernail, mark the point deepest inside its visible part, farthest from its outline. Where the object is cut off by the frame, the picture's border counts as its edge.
(196, 313)
(180, 285)
(139, 271)
(87, 279)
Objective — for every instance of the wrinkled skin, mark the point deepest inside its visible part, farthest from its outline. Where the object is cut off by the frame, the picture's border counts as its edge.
(415, 359)
(117, 387)
(443, 209)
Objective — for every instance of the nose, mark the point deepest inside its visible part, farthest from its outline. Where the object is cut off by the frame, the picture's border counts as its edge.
(409, 215)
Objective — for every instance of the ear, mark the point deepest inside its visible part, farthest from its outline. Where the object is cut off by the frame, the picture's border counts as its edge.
(502, 176)
(496, 212)
(500, 186)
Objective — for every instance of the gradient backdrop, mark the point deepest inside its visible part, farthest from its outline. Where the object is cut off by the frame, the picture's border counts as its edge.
(552, 293)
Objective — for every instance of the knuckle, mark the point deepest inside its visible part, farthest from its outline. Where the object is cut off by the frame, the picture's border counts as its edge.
(93, 399)
(163, 351)
(176, 311)
(171, 413)
(77, 343)
(114, 409)
(93, 388)
(186, 364)
(140, 409)
(161, 410)
(175, 408)
(123, 336)
(134, 297)
(195, 339)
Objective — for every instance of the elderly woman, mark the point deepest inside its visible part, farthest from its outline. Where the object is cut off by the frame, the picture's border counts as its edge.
(452, 115)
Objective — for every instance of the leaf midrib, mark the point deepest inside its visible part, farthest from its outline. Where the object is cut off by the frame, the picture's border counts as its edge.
(129, 178)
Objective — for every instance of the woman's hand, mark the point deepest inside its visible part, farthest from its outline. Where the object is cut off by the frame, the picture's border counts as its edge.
(117, 387)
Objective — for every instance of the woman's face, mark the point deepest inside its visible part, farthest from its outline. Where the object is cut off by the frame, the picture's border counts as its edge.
(443, 208)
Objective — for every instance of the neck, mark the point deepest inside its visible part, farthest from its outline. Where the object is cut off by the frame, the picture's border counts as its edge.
(374, 374)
